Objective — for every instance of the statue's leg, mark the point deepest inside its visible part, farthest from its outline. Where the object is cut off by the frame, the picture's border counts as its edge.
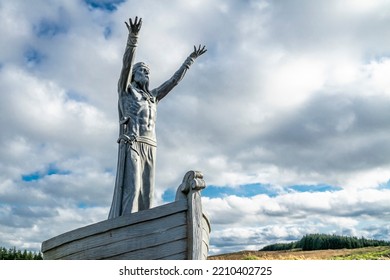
(148, 176)
(132, 180)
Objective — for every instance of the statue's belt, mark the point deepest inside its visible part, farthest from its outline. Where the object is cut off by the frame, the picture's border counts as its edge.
(124, 138)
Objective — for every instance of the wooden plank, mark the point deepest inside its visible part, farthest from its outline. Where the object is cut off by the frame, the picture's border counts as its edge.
(157, 252)
(205, 236)
(137, 244)
(119, 234)
(206, 222)
(206, 230)
(107, 225)
(195, 217)
(205, 243)
(205, 249)
(178, 256)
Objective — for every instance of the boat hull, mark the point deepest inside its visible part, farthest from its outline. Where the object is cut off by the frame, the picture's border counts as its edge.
(175, 230)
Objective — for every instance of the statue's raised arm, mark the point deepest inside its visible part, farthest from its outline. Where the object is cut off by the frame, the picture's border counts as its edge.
(166, 87)
(128, 57)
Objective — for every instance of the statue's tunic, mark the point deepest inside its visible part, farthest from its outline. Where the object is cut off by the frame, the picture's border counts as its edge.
(139, 140)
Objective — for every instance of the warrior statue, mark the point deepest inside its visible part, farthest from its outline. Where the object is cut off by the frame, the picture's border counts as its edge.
(137, 105)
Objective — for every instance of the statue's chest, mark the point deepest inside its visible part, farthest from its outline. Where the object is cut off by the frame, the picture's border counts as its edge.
(136, 103)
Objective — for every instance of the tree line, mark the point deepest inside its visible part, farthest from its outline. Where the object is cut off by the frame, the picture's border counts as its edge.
(13, 254)
(320, 241)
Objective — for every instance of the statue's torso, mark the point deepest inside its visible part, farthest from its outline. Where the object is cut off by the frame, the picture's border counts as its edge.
(141, 109)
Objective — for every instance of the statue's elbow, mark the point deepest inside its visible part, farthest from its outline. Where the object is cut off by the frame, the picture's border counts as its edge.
(174, 81)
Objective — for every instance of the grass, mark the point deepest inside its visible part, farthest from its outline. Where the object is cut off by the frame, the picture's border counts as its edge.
(368, 253)
(378, 253)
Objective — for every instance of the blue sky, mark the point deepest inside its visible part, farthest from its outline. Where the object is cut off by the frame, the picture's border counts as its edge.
(287, 114)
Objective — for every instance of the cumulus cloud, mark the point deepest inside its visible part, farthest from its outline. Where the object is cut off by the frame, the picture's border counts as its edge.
(262, 220)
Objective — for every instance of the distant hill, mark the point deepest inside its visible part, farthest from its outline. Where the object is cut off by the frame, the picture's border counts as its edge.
(326, 241)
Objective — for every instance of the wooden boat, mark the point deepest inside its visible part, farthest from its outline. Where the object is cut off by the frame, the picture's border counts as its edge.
(177, 231)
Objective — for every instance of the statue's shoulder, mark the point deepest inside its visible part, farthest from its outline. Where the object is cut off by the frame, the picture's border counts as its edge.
(154, 92)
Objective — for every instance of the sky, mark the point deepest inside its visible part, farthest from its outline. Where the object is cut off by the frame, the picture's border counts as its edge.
(286, 114)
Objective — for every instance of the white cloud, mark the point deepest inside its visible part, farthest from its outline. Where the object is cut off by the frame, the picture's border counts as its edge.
(286, 95)
(263, 220)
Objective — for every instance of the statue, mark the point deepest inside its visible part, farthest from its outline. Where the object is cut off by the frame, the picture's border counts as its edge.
(137, 105)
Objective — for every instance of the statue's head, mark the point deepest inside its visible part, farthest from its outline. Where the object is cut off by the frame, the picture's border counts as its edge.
(140, 74)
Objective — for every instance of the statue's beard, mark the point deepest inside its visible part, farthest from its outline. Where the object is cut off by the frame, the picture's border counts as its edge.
(143, 85)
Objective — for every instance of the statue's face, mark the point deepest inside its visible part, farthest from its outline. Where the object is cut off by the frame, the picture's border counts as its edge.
(141, 75)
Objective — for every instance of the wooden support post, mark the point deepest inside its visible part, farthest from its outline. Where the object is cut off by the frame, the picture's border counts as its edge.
(190, 189)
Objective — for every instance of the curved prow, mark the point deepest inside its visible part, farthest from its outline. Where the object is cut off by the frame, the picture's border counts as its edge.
(192, 182)
(198, 223)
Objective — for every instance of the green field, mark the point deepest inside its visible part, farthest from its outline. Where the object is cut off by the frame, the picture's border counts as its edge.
(367, 253)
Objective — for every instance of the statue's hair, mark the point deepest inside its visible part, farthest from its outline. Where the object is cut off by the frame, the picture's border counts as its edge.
(139, 65)
(135, 68)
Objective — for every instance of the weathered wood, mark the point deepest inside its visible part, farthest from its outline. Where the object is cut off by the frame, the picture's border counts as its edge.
(164, 250)
(179, 256)
(205, 237)
(94, 242)
(192, 184)
(206, 222)
(178, 230)
(195, 230)
(148, 242)
(111, 224)
(206, 228)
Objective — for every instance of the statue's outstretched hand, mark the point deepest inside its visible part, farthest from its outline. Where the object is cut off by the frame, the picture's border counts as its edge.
(134, 27)
(198, 51)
